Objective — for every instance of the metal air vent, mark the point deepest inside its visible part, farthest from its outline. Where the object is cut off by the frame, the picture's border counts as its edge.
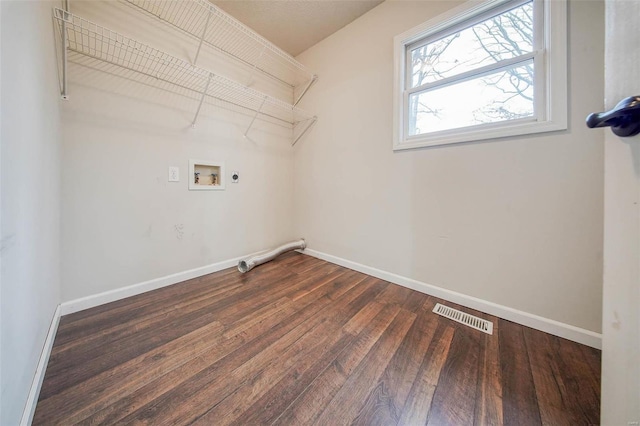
(466, 319)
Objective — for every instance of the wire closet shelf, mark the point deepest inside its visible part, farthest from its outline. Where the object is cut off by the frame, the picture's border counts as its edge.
(212, 26)
(92, 40)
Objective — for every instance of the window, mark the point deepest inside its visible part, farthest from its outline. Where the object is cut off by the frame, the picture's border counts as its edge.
(482, 71)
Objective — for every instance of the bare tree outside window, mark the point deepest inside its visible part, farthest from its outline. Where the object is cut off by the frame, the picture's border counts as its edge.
(429, 64)
(503, 93)
(512, 31)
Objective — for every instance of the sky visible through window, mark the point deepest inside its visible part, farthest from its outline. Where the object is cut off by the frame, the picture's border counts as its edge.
(500, 95)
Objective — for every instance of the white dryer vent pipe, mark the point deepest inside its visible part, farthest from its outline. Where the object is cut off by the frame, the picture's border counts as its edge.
(248, 264)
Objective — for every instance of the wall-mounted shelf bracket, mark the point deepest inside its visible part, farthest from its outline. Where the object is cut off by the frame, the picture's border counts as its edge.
(227, 35)
(255, 66)
(85, 39)
(204, 93)
(305, 126)
(63, 33)
(204, 32)
(255, 116)
(314, 78)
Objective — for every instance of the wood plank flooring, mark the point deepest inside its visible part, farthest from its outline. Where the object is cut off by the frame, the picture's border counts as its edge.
(302, 341)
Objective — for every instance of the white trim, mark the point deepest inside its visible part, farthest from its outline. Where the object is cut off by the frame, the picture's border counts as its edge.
(496, 130)
(100, 299)
(566, 331)
(447, 19)
(34, 392)
(550, 326)
(92, 301)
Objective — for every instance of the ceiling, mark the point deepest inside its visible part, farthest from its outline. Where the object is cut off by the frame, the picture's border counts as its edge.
(296, 25)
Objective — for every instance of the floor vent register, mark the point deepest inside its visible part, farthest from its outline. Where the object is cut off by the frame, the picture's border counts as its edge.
(463, 318)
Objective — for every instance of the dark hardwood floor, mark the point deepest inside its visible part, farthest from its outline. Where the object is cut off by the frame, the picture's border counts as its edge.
(299, 341)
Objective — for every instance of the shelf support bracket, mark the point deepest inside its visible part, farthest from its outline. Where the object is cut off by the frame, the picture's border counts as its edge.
(204, 32)
(204, 93)
(255, 116)
(255, 66)
(306, 129)
(63, 92)
(314, 78)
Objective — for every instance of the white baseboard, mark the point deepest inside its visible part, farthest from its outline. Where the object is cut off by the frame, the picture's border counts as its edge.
(135, 289)
(100, 299)
(550, 326)
(566, 331)
(38, 378)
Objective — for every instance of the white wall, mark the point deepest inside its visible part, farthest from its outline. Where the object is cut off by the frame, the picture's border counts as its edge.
(30, 203)
(123, 222)
(514, 221)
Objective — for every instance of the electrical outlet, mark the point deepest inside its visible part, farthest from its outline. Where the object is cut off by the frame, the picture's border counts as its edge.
(235, 177)
(174, 174)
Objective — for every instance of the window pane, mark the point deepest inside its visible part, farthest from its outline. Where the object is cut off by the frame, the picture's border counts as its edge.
(503, 95)
(505, 36)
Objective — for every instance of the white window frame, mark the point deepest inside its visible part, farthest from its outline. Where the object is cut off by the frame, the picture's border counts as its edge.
(550, 91)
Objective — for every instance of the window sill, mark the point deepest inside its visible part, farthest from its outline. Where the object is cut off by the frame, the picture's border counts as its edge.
(478, 133)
